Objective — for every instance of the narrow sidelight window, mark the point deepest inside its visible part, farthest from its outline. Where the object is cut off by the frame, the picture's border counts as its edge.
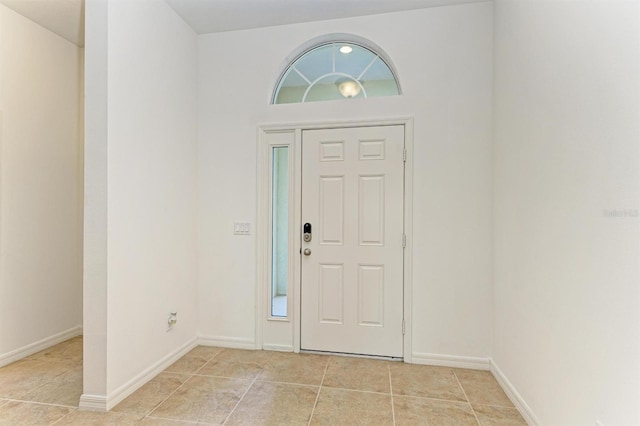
(279, 230)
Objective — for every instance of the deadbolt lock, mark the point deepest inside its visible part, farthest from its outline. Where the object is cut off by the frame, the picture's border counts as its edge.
(306, 232)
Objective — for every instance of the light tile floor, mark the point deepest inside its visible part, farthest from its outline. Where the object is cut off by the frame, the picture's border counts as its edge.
(235, 387)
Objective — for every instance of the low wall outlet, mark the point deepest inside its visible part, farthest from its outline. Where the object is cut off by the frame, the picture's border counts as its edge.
(173, 319)
(242, 228)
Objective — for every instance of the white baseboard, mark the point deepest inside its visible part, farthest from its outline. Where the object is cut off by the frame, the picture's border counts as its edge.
(452, 361)
(487, 364)
(40, 345)
(102, 403)
(93, 402)
(514, 396)
(278, 348)
(115, 397)
(227, 342)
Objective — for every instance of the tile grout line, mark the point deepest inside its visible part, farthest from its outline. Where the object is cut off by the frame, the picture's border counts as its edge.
(452, 401)
(48, 404)
(195, 422)
(241, 398)
(352, 390)
(207, 361)
(61, 418)
(168, 396)
(393, 409)
(47, 362)
(313, 410)
(317, 386)
(510, 407)
(65, 416)
(148, 414)
(466, 397)
(72, 409)
(284, 383)
(50, 380)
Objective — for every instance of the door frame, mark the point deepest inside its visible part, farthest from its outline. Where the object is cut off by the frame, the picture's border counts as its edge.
(283, 334)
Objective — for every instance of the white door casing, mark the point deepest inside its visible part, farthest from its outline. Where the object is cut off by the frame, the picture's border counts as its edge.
(352, 281)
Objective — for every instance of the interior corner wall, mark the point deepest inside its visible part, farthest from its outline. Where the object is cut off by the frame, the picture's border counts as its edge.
(443, 57)
(40, 181)
(567, 196)
(150, 188)
(95, 207)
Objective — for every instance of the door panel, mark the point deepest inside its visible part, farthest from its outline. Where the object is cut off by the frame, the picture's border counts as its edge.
(332, 209)
(330, 294)
(371, 210)
(352, 279)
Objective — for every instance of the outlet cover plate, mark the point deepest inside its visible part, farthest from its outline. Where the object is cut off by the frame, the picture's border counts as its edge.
(242, 228)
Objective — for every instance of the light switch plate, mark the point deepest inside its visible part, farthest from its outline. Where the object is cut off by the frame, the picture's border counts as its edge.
(242, 228)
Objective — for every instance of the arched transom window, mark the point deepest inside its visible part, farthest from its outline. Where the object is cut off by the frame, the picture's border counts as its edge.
(333, 71)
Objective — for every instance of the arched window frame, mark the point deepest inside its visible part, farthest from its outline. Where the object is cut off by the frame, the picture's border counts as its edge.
(327, 39)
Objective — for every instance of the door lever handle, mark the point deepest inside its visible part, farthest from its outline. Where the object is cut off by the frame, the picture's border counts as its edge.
(307, 252)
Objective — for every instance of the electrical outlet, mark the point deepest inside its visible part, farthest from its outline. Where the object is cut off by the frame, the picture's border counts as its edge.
(242, 228)
(173, 319)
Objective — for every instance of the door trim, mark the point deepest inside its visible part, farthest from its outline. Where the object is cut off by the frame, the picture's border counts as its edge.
(284, 334)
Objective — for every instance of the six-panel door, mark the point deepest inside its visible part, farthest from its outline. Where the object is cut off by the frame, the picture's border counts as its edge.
(352, 277)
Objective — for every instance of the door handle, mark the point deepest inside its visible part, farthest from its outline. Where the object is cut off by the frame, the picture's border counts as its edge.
(307, 252)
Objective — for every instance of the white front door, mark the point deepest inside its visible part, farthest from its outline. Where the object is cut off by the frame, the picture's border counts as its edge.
(352, 268)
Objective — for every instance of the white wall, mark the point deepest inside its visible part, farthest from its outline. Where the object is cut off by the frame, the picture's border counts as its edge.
(95, 205)
(443, 57)
(148, 140)
(40, 185)
(567, 133)
(151, 186)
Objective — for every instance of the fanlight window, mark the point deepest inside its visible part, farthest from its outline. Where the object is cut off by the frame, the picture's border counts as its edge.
(335, 71)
